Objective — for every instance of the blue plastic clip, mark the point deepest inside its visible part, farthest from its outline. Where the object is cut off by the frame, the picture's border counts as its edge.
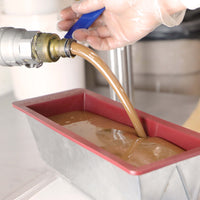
(85, 21)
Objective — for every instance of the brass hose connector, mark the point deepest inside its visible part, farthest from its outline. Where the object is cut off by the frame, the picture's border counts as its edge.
(48, 47)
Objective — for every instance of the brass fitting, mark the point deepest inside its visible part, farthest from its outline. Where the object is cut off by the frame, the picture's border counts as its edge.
(48, 47)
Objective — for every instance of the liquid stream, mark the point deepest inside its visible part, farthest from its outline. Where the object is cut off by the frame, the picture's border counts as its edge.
(99, 64)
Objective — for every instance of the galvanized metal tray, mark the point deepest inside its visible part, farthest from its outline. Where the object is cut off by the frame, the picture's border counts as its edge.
(100, 174)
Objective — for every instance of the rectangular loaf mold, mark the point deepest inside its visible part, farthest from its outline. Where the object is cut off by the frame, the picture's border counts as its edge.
(98, 173)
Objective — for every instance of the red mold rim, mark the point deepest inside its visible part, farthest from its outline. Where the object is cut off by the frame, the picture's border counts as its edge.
(40, 108)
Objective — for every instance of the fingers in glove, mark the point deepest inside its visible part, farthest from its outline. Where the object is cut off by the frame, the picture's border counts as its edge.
(99, 38)
(87, 6)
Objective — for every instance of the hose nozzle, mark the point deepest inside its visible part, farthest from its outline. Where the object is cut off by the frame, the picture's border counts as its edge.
(31, 48)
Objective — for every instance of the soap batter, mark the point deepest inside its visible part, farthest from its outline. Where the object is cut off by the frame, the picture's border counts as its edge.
(117, 138)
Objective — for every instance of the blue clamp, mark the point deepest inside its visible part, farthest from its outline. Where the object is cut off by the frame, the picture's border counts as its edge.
(85, 21)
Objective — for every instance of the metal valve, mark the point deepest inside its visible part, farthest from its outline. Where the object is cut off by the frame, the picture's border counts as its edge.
(31, 48)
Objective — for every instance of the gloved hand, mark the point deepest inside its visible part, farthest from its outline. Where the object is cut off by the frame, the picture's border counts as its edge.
(123, 21)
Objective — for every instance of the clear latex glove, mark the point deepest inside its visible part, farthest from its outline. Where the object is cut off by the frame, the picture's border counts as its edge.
(123, 21)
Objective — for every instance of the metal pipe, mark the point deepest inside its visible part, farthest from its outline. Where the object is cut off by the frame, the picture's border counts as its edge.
(121, 66)
(15, 47)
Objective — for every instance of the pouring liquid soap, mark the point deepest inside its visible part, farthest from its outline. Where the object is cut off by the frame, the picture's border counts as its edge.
(48, 47)
(100, 65)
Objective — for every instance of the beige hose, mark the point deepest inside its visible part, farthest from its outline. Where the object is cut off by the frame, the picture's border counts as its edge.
(99, 64)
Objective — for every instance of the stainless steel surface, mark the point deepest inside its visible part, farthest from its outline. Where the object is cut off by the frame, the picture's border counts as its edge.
(164, 66)
(121, 66)
(20, 162)
(15, 47)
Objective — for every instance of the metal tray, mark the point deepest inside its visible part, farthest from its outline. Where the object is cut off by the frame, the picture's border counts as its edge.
(100, 174)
